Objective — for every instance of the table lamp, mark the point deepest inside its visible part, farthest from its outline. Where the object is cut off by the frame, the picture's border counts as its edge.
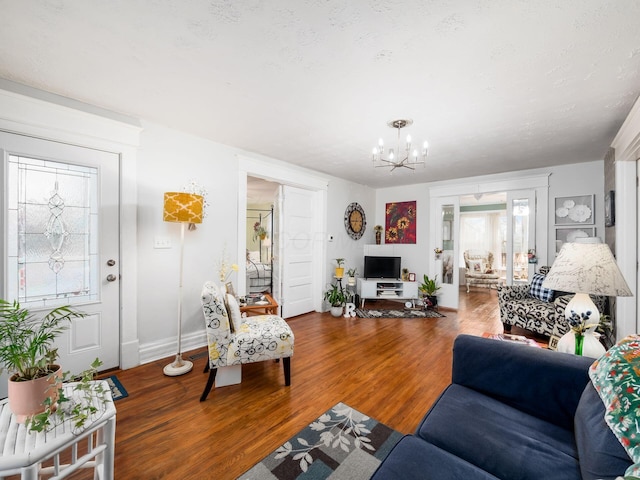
(184, 208)
(586, 267)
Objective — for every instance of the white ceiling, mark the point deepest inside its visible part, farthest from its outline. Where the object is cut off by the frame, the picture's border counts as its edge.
(493, 85)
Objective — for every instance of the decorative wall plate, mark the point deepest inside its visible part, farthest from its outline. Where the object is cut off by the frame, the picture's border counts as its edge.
(355, 221)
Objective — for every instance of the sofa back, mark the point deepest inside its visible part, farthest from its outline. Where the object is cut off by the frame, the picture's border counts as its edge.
(600, 453)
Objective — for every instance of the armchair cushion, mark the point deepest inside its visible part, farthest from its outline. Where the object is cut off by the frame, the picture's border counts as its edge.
(233, 309)
(536, 290)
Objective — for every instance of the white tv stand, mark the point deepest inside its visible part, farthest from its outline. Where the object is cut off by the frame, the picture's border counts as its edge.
(386, 288)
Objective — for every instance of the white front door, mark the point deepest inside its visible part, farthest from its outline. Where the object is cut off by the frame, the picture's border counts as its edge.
(60, 236)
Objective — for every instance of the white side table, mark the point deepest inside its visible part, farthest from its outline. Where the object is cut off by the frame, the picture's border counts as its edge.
(23, 453)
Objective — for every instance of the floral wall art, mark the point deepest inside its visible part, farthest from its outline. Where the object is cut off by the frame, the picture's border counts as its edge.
(400, 222)
(575, 210)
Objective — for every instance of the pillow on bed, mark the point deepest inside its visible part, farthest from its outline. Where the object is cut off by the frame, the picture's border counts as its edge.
(254, 256)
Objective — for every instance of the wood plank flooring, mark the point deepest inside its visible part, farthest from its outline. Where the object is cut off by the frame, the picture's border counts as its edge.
(390, 369)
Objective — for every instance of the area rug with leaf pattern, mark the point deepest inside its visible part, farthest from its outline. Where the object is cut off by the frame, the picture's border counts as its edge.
(341, 443)
(399, 313)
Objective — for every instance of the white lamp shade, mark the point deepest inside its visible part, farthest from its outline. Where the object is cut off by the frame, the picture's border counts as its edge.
(587, 268)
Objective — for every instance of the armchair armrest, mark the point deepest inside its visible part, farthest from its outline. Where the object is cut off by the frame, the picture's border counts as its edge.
(513, 292)
(540, 382)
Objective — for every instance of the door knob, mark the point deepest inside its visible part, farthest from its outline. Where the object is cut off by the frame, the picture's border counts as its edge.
(111, 278)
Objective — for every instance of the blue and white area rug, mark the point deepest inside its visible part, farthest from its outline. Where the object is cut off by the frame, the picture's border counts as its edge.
(117, 390)
(341, 443)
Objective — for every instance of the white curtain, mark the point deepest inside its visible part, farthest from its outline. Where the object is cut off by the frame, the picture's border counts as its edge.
(486, 232)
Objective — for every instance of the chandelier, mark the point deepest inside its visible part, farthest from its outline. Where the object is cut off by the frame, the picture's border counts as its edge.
(406, 159)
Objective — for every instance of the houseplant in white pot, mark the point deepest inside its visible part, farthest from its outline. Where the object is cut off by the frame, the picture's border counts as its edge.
(336, 298)
(28, 355)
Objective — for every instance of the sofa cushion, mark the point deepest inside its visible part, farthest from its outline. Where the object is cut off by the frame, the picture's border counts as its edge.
(499, 439)
(601, 455)
(536, 290)
(415, 459)
(616, 378)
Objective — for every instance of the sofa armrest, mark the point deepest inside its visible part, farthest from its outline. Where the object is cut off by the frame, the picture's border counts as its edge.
(508, 293)
(540, 382)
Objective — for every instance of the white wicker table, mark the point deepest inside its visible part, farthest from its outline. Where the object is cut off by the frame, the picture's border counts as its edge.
(24, 453)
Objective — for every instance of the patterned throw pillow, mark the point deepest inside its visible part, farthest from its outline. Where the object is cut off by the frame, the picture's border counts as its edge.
(616, 378)
(476, 266)
(536, 290)
(234, 312)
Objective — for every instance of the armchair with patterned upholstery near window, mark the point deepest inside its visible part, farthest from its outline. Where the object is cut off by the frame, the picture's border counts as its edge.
(235, 340)
(537, 309)
(479, 269)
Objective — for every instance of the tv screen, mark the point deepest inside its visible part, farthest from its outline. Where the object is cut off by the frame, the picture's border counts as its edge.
(382, 267)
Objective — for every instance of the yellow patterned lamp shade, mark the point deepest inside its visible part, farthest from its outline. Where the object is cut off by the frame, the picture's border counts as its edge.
(182, 207)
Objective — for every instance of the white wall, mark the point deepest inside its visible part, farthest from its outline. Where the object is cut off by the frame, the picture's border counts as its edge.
(167, 161)
(577, 179)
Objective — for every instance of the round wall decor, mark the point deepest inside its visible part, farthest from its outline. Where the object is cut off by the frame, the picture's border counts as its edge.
(355, 220)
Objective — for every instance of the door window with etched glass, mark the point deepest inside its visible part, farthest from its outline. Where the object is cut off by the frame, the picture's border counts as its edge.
(52, 232)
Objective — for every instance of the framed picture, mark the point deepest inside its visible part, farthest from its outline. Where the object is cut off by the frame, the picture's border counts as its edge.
(610, 209)
(575, 210)
(569, 235)
(412, 277)
(400, 222)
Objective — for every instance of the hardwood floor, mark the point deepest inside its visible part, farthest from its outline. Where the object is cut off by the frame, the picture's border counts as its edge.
(390, 369)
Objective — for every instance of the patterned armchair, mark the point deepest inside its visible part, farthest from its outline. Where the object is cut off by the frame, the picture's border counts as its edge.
(480, 269)
(234, 340)
(519, 307)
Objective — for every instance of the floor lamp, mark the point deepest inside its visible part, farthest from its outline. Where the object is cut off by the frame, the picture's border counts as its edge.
(184, 208)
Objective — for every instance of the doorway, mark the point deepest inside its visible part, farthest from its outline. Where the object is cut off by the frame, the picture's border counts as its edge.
(61, 231)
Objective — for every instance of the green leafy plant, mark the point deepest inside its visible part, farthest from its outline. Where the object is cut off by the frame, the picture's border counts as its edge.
(88, 399)
(335, 295)
(429, 286)
(352, 272)
(26, 341)
(340, 262)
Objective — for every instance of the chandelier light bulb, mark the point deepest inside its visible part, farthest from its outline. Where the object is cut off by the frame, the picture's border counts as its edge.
(381, 143)
(391, 156)
(408, 139)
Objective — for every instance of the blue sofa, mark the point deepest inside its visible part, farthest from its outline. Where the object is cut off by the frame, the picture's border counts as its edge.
(511, 412)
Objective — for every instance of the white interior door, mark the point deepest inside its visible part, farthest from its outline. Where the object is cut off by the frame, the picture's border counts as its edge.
(60, 241)
(521, 228)
(296, 247)
(276, 245)
(445, 213)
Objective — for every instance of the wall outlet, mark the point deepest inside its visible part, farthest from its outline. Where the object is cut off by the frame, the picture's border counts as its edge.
(161, 242)
(330, 238)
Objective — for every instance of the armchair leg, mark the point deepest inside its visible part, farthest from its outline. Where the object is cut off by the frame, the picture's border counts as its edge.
(210, 380)
(286, 364)
(507, 327)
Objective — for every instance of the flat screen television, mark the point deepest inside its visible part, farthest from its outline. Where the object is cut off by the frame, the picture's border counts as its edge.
(382, 267)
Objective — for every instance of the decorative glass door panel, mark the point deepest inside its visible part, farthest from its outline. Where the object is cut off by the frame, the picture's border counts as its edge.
(521, 229)
(443, 262)
(52, 211)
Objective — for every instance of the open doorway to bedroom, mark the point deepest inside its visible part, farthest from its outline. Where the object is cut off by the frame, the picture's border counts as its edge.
(261, 196)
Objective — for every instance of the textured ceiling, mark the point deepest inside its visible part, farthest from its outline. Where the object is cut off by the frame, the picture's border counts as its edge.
(493, 85)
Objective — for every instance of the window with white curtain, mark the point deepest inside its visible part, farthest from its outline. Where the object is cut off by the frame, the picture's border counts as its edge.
(484, 231)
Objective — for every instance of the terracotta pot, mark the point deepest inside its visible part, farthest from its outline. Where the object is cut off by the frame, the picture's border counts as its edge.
(27, 398)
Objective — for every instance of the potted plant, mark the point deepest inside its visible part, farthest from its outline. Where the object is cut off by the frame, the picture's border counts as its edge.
(259, 232)
(339, 268)
(336, 298)
(28, 355)
(351, 274)
(378, 229)
(429, 288)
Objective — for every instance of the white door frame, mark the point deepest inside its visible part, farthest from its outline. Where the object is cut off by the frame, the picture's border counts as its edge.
(283, 174)
(539, 183)
(31, 112)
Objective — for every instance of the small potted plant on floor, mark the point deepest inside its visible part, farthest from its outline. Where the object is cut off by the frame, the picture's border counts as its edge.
(336, 298)
(429, 288)
(28, 355)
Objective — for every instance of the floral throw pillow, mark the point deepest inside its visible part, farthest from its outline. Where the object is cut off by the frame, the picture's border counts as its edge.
(616, 378)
